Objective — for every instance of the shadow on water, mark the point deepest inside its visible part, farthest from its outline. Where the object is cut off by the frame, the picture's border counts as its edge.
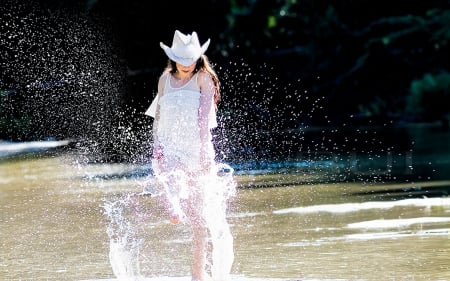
(418, 191)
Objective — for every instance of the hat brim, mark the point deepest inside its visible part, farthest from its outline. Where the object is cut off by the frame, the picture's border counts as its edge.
(184, 61)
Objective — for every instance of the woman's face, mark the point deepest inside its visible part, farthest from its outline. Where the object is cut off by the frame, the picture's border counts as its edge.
(185, 69)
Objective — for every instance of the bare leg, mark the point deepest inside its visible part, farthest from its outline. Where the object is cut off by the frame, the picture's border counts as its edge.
(199, 245)
(200, 236)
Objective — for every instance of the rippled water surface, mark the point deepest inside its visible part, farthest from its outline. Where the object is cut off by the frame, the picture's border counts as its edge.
(369, 213)
(53, 226)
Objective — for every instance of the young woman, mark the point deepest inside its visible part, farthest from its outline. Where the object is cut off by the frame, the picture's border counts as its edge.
(184, 112)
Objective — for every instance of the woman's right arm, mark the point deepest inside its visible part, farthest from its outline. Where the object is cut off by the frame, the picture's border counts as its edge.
(157, 147)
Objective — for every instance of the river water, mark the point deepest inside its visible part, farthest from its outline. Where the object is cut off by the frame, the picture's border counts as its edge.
(288, 222)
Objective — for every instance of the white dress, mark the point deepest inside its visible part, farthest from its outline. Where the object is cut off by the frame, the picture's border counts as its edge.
(178, 129)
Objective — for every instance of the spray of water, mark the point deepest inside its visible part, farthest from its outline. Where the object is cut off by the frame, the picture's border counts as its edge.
(125, 242)
(63, 70)
(286, 127)
(217, 191)
(125, 218)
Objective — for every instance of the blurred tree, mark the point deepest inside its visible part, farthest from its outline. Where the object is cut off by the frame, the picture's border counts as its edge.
(366, 53)
(429, 98)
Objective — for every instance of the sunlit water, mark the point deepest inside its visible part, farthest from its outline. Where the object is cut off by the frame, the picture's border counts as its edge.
(54, 226)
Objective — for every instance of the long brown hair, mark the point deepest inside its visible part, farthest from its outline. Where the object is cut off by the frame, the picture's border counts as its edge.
(201, 64)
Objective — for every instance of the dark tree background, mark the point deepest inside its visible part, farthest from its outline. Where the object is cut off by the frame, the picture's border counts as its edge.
(284, 64)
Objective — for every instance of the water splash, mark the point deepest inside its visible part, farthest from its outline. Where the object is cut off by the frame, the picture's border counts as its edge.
(217, 192)
(125, 215)
(125, 243)
(63, 70)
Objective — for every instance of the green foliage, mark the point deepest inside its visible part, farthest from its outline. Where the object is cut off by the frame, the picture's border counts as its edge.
(441, 34)
(429, 97)
(378, 107)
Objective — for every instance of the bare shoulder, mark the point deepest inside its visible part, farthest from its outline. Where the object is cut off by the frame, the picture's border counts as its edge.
(204, 77)
(205, 83)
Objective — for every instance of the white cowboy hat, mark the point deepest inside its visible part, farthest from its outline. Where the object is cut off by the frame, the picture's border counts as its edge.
(185, 49)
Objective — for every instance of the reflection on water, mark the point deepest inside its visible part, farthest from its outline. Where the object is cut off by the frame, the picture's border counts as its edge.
(295, 225)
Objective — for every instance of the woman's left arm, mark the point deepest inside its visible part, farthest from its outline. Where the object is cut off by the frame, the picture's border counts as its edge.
(207, 91)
